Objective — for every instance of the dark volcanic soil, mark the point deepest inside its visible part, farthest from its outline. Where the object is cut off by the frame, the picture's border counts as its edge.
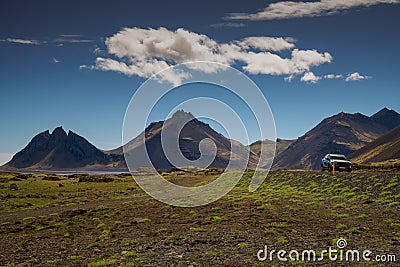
(111, 222)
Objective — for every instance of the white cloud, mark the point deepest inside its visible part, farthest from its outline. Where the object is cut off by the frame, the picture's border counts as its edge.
(289, 78)
(228, 25)
(71, 39)
(71, 35)
(144, 52)
(310, 77)
(97, 51)
(333, 76)
(55, 60)
(22, 41)
(59, 41)
(267, 43)
(356, 77)
(292, 9)
(269, 63)
(5, 157)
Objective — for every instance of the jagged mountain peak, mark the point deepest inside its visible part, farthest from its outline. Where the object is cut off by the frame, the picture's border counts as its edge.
(387, 116)
(383, 112)
(58, 150)
(59, 131)
(182, 114)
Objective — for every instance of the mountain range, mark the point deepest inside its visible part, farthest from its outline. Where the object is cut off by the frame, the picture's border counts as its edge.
(62, 151)
(385, 149)
(342, 133)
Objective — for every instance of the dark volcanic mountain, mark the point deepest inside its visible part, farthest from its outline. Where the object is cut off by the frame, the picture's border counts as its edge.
(342, 133)
(189, 140)
(385, 148)
(59, 150)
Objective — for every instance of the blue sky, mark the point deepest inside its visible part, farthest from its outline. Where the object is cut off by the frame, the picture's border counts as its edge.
(49, 75)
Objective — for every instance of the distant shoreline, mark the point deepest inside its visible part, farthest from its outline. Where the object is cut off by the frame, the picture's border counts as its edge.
(66, 172)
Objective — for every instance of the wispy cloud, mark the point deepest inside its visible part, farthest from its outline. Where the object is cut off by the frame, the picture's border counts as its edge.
(229, 25)
(310, 77)
(63, 40)
(71, 35)
(23, 41)
(333, 76)
(292, 9)
(59, 40)
(144, 52)
(97, 51)
(356, 77)
(55, 61)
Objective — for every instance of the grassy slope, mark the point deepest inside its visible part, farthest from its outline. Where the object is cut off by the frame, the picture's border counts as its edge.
(384, 149)
(116, 224)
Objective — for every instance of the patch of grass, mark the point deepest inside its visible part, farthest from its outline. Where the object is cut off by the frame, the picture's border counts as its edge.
(162, 230)
(69, 235)
(270, 231)
(216, 209)
(105, 262)
(212, 253)
(258, 202)
(385, 193)
(341, 226)
(340, 206)
(196, 229)
(354, 230)
(129, 242)
(396, 225)
(392, 184)
(361, 217)
(131, 254)
(63, 248)
(277, 225)
(343, 215)
(217, 219)
(173, 216)
(106, 234)
(193, 213)
(282, 240)
(100, 225)
(144, 220)
(242, 245)
(93, 245)
(74, 257)
(393, 204)
(28, 218)
(52, 261)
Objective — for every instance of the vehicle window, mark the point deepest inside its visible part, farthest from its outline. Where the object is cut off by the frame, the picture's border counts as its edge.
(338, 157)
